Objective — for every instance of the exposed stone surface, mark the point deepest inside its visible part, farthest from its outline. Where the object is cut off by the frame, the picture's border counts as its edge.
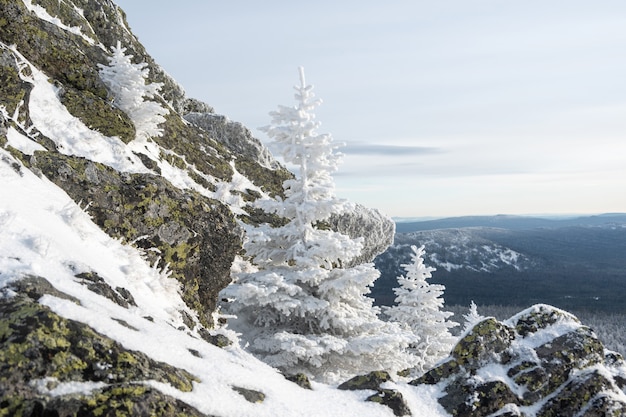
(392, 399)
(541, 356)
(235, 136)
(388, 397)
(369, 381)
(196, 237)
(300, 379)
(182, 231)
(39, 350)
(122, 400)
(218, 340)
(250, 395)
(35, 287)
(95, 283)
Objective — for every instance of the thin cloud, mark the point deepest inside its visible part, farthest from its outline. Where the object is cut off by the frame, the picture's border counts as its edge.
(387, 150)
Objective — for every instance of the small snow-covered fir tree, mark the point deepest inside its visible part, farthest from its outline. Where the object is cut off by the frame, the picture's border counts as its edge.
(305, 309)
(419, 306)
(472, 318)
(127, 83)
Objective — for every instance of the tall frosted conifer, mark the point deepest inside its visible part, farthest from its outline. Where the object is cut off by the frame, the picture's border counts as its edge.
(419, 307)
(305, 309)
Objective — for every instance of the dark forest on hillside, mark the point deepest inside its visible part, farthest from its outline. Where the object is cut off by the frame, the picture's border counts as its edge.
(571, 267)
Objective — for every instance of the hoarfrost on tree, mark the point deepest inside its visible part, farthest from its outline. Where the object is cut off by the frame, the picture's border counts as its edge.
(472, 318)
(419, 307)
(304, 309)
(127, 83)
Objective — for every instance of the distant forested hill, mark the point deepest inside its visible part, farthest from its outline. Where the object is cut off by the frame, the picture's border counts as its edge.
(573, 263)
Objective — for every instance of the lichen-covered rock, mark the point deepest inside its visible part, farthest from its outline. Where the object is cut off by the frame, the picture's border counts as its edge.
(369, 381)
(385, 396)
(486, 342)
(477, 400)
(95, 283)
(542, 358)
(300, 379)
(194, 236)
(122, 400)
(197, 237)
(392, 399)
(557, 359)
(589, 394)
(218, 340)
(250, 395)
(235, 136)
(40, 350)
(539, 318)
(163, 210)
(441, 372)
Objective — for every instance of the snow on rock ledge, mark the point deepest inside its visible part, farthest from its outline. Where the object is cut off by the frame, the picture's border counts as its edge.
(376, 229)
(235, 136)
(541, 362)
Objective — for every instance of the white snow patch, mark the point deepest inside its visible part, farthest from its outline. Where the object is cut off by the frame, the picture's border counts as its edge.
(565, 323)
(70, 134)
(43, 14)
(22, 143)
(53, 387)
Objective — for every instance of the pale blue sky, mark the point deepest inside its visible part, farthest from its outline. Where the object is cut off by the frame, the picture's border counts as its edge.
(447, 107)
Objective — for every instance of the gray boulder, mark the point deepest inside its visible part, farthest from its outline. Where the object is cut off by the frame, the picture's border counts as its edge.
(235, 136)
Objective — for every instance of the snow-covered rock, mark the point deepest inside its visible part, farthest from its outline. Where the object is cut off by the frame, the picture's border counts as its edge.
(375, 228)
(541, 362)
(235, 136)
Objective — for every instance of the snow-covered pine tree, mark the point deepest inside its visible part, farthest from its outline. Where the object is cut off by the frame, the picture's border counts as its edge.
(472, 318)
(127, 83)
(419, 306)
(305, 309)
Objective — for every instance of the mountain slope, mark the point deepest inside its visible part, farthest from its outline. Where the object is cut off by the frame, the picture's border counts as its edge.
(46, 236)
(114, 248)
(574, 264)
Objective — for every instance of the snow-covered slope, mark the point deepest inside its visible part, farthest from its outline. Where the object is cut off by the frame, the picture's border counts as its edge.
(46, 234)
(113, 248)
(453, 249)
(100, 229)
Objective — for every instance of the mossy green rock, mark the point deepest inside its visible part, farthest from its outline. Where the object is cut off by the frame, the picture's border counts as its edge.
(123, 400)
(196, 237)
(540, 317)
(551, 361)
(369, 381)
(250, 395)
(300, 379)
(392, 399)
(38, 345)
(486, 342)
(441, 372)
(477, 400)
(592, 394)
(384, 396)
